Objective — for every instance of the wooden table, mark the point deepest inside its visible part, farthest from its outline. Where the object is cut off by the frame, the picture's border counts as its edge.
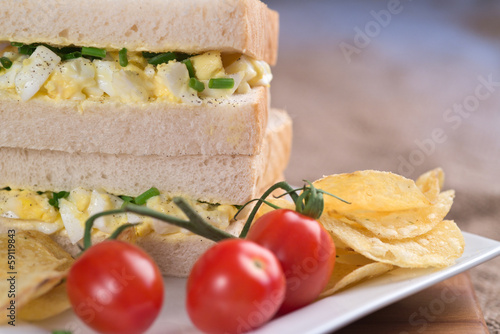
(448, 307)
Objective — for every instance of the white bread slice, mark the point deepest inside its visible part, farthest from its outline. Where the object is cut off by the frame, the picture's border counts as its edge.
(191, 26)
(235, 125)
(225, 179)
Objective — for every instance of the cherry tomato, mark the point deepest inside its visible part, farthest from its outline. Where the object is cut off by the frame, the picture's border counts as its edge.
(234, 287)
(305, 250)
(115, 287)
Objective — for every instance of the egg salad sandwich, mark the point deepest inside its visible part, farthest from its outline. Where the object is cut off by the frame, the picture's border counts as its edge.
(117, 100)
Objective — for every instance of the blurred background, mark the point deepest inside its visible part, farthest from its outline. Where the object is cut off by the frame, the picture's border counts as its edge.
(402, 86)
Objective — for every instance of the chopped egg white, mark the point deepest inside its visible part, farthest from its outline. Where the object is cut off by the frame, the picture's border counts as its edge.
(101, 201)
(128, 84)
(35, 71)
(73, 220)
(174, 76)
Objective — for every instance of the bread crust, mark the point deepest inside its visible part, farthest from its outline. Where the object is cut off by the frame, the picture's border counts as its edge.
(191, 26)
(235, 125)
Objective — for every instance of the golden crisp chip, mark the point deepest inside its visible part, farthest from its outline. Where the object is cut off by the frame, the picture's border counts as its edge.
(47, 305)
(351, 257)
(439, 247)
(348, 274)
(371, 190)
(404, 224)
(431, 183)
(33, 264)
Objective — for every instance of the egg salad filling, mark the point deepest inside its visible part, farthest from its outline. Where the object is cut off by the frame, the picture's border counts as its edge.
(49, 212)
(81, 73)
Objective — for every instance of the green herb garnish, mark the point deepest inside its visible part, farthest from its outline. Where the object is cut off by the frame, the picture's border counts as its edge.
(162, 58)
(6, 63)
(122, 55)
(221, 83)
(93, 52)
(143, 198)
(72, 55)
(190, 67)
(196, 85)
(54, 201)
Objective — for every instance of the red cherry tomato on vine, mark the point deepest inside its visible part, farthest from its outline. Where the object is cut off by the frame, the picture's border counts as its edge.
(305, 250)
(234, 287)
(115, 287)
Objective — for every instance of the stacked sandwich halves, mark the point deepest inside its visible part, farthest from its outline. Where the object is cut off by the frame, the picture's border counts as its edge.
(102, 100)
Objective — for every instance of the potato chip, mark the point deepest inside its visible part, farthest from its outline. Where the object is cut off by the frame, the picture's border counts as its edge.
(39, 265)
(404, 224)
(47, 305)
(439, 247)
(431, 183)
(348, 274)
(351, 257)
(371, 190)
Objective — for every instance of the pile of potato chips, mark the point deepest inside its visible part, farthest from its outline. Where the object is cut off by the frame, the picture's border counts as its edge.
(37, 273)
(391, 222)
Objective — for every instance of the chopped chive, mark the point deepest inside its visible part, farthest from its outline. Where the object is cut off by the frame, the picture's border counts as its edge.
(27, 49)
(53, 49)
(16, 44)
(69, 49)
(143, 198)
(54, 201)
(149, 55)
(162, 58)
(122, 55)
(93, 52)
(6, 62)
(196, 85)
(190, 67)
(181, 56)
(72, 55)
(61, 332)
(126, 200)
(221, 83)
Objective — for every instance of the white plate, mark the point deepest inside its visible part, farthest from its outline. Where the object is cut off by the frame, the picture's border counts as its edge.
(326, 315)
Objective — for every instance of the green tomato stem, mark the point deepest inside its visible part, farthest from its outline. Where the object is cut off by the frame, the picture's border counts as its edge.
(195, 222)
(280, 185)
